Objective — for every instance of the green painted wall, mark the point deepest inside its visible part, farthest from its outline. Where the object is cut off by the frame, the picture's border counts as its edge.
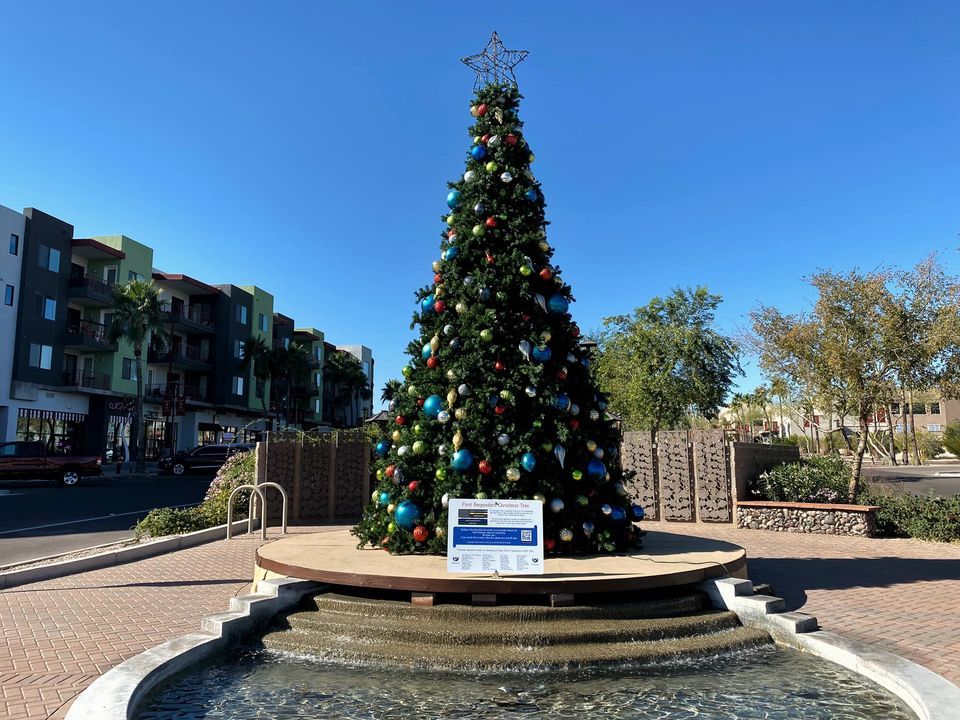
(139, 260)
(262, 305)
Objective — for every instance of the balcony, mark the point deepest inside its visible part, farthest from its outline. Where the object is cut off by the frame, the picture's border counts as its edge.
(195, 320)
(183, 357)
(87, 336)
(158, 392)
(85, 290)
(82, 380)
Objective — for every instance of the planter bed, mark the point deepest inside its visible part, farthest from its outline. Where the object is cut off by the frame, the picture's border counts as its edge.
(819, 518)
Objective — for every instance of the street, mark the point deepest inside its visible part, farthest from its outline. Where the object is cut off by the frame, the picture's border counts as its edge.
(39, 518)
(939, 479)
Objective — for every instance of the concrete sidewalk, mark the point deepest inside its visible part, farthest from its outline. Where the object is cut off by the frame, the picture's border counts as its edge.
(59, 635)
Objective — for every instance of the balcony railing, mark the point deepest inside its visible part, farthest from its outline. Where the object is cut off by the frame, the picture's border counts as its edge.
(194, 315)
(87, 380)
(85, 285)
(180, 353)
(164, 391)
(89, 331)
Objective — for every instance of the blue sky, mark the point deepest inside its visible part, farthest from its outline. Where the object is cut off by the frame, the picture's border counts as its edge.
(305, 147)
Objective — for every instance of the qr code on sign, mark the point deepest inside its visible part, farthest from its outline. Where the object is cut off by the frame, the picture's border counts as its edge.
(526, 536)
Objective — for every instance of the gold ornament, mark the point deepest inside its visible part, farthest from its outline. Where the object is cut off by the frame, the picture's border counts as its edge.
(396, 436)
(452, 397)
(435, 343)
(458, 439)
(460, 413)
(460, 307)
(498, 114)
(436, 266)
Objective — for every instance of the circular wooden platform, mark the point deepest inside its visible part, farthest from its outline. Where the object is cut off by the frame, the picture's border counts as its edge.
(665, 560)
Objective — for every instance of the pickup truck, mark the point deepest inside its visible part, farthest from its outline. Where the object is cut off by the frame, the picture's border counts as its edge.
(30, 459)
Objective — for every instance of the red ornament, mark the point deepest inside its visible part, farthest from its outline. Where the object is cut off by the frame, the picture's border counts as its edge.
(561, 374)
(401, 420)
(412, 487)
(420, 402)
(575, 330)
(546, 274)
(574, 424)
(490, 260)
(420, 533)
(485, 139)
(511, 139)
(500, 409)
(491, 222)
(389, 471)
(437, 279)
(481, 109)
(499, 366)
(485, 467)
(433, 361)
(549, 544)
(525, 316)
(439, 306)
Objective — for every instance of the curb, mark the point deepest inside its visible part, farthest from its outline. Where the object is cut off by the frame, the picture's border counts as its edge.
(13, 578)
(929, 695)
(116, 693)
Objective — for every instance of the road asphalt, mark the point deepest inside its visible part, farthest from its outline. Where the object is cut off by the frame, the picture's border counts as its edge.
(938, 479)
(39, 518)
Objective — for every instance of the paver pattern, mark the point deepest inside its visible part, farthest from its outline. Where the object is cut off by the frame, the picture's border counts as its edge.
(59, 635)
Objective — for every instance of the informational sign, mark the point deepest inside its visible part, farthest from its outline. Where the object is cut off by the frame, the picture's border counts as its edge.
(495, 537)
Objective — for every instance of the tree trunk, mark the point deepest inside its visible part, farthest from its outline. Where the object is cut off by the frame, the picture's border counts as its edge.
(913, 432)
(890, 442)
(854, 485)
(780, 403)
(141, 466)
(906, 431)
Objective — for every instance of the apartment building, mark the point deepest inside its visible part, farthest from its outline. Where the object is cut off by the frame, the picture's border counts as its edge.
(63, 381)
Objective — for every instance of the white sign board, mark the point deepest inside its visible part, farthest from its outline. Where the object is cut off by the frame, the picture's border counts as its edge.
(503, 537)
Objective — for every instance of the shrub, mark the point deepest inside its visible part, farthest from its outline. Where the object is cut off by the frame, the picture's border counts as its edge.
(951, 438)
(239, 469)
(822, 479)
(930, 444)
(916, 516)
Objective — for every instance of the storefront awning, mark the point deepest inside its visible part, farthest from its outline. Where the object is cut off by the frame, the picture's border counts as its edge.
(51, 415)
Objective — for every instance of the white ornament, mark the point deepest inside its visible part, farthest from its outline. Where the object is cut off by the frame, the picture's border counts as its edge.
(464, 389)
(493, 141)
(403, 450)
(561, 454)
(449, 330)
(503, 438)
(445, 500)
(506, 177)
(469, 175)
(443, 416)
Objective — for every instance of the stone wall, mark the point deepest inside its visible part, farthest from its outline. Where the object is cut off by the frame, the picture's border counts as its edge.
(860, 520)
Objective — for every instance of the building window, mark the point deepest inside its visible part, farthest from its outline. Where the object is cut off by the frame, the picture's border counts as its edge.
(318, 379)
(935, 408)
(895, 408)
(263, 322)
(239, 348)
(242, 314)
(49, 258)
(316, 405)
(237, 385)
(935, 428)
(919, 409)
(8, 296)
(110, 274)
(286, 343)
(14, 244)
(44, 307)
(131, 276)
(129, 371)
(41, 356)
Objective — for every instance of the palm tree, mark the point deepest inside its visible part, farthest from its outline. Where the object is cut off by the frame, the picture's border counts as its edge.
(138, 314)
(390, 390)
(347, 377)
(288, 366)
(257, 354)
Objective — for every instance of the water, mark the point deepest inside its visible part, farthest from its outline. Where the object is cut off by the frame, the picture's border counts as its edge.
(770, 683)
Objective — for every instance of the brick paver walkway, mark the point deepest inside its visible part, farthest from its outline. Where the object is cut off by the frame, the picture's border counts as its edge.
(59, 635)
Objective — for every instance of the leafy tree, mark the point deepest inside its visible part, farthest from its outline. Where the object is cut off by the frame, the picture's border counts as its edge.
(838, 351)
(348, 380)
(951, 438)
(390, 390)
(138, 315)
(288, 366)
(666, 361)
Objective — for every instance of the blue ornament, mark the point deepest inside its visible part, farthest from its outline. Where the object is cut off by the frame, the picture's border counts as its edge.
(450, 253)
(562, 402)
(480, 209)
(493, 399)
(530, 194)
(557, 304)
(541, 354)
(426, 352)
(618, 514)
(528, 462)
(384, 498)
(479, 152)
(596, 470)
(484, 294)
(383, 447)
(638, 512)
(426, 305)
(456, 343)
(432, 406)
(453, 199)
(407, 514)
(462, 460)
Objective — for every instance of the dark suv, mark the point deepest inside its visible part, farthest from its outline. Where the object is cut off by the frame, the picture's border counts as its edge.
(204, 457)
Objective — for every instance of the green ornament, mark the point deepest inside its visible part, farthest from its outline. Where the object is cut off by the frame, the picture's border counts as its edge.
(379, 474)
(418, 429)
(526, 270)
(412, 390)
(479, 230)
(441, 473)
(492, 166)
(582, 500)
(506, 395)
(391, 527)
(576, 474)
(486, 335)
(548, 446)
(407, 371)
(419, 447)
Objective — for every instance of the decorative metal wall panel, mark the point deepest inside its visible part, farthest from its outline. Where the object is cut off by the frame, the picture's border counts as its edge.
(352, 448)
(712, 469)
(281, 468)
(315, 478)
(636, 453)
(676, 485)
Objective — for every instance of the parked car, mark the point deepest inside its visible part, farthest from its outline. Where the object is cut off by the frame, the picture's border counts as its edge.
(203, 457)
(30, 459)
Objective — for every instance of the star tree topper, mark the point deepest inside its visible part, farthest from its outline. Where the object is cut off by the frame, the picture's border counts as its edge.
(495, 64)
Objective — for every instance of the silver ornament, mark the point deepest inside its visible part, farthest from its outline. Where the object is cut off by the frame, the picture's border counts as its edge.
(445, 500)
(443, 416)
(598, 453)
(469, 175)
(541, 301)
(525, 348)
(444, 449)
(588, 528)
(556, 505)
(561, 454)
(606, 509)
(531, 391)
(574, 409)
(464, 389)
(503, 438)
(506, 177)
(493, 141)
(594, 415)
(468, 280)
(399, 476)
(449, 330)
(403, 450)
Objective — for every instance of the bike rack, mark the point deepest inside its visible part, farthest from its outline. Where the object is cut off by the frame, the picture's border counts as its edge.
(257, 493)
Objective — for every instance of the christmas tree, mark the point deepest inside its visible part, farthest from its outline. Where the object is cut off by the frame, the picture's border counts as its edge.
(498, 400)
